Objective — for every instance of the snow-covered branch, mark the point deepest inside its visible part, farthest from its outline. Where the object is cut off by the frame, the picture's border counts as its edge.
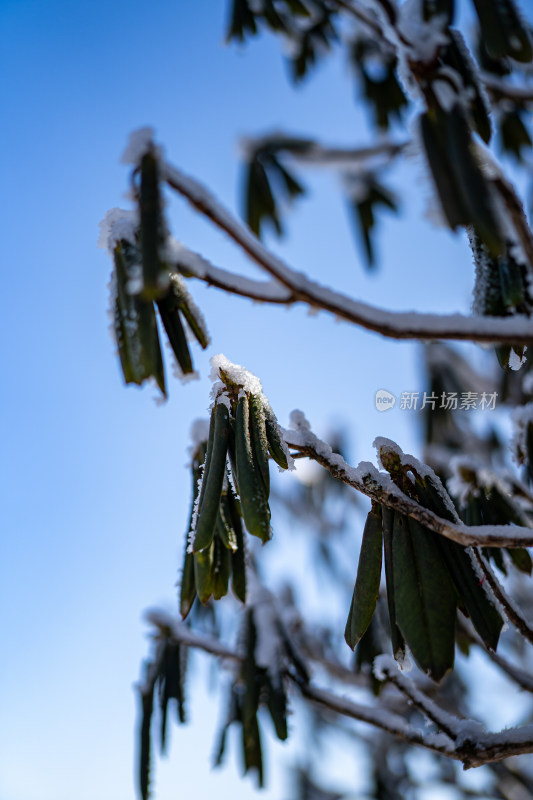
(462, 740)
(313, 152)
(397, 325)
(194, 265)
(513, 613)
(368, 480)
(379, 718)
(385, 667)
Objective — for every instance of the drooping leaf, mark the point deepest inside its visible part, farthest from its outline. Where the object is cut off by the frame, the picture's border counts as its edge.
(168, 309)
(242, 21)
(425, 597)
(366, 590)
(457, 56)
(521, 559)
(147, 705)
(368, 195)
(376, 67)
(155, 277)
(503, 30)
(135, 324)
(397, 639)
(514, 134)
(484, 616)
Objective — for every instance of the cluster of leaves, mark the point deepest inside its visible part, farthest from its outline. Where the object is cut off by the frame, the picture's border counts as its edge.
(428, 577)
(266, 658)
(456, 106)
(376, 66)
(268, 182)
(365, 195)
(164, 681)
(231, 483)
(261, 682)
(143, 283)
(309, 24)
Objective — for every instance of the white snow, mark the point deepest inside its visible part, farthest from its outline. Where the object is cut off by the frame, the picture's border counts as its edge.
(387, 445)
(410, 323)
(521, 418)
(199, 432)
(140, 142)
(298, 421)
(117, 224)
(236, 373)
(527, 383)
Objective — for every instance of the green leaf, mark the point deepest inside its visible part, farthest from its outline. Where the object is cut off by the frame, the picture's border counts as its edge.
(470, 181)
(425, 597)
(168, 308)
(259, 441)
(502, 30)
(484, 616)
(275, 442)
(187, 584)
(155, 277)
(242, 21)
(513, 133)
(366, 590)
(212, 481)
(260, 203)
(222, 569)
(135, 325)
(434, 140)
(457, 56)
(238, 558)
(204, 572)
(363, 210)
(171, 682)
(254, 504)
(147, 705)
(521, 559)
(397, 640)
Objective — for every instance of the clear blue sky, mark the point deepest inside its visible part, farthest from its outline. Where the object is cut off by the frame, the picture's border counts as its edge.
(95, 491)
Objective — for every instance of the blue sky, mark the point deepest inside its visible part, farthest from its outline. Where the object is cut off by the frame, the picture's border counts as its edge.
(96, 489)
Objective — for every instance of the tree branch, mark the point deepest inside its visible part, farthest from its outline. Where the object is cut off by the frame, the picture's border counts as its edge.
(511, 611)
(397, 325)
(500, 89)
(379, 487)
(387, 667)
(313, 152)
(194, 265)
(379, 718)
(473, 746)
